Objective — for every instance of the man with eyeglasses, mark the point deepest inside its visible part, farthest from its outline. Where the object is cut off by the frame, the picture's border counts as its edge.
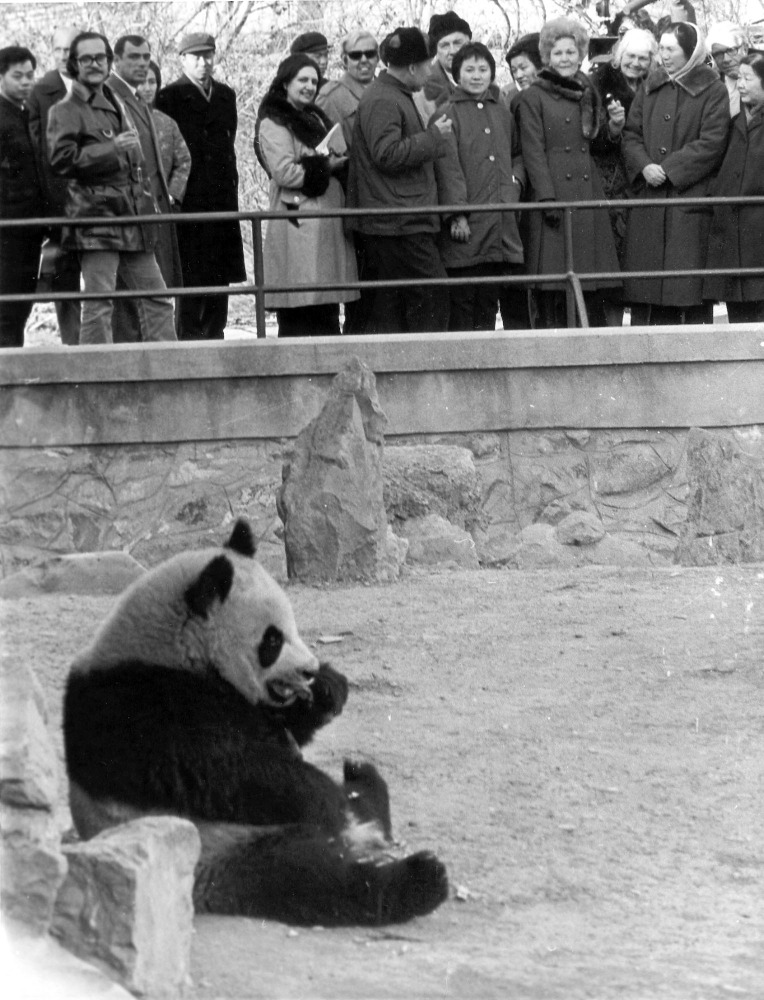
(339, 98)
(211, 253)
(92, 143)
(728, 45)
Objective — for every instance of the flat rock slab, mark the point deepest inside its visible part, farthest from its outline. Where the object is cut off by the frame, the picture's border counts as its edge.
(92, 573)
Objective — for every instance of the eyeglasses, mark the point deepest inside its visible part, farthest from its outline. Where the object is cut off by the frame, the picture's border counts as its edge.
(358, 55)
(102, 59)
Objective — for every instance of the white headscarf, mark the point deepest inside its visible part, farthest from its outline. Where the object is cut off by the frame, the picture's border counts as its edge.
(699, 53)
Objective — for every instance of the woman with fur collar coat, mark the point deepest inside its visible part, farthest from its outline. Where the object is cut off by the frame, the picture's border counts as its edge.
(673, 144)
(561, 118)
(289, 129)
(634, 56)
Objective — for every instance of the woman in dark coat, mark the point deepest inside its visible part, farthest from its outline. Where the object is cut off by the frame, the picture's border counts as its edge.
(673, 143)
(560, 116)
(482, 166)
(737, 232)
(634, 56)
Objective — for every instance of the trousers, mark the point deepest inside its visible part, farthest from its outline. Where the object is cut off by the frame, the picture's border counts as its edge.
(139, 271)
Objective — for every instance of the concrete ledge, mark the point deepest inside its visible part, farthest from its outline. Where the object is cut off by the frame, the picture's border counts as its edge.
(427, 383)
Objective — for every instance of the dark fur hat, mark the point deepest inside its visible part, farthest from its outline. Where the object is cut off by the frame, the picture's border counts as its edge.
(446, 24)
(405, 46)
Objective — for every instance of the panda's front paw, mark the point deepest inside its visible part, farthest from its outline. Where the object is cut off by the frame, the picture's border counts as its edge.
(329, 690)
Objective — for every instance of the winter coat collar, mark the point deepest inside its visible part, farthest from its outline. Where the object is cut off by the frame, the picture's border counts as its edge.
(459, 96)
(309, 124)
(102, 99)
(695, 82)
(574, 88)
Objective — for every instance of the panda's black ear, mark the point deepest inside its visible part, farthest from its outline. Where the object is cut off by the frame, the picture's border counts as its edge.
(242, 540)
(213, 584)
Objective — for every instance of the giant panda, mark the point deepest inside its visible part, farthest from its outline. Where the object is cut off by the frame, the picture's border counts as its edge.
(194, 699)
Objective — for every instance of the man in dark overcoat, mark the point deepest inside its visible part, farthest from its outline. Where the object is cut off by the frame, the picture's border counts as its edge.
(211, 252)
(21, 193)
(132, 55)
(52, 88)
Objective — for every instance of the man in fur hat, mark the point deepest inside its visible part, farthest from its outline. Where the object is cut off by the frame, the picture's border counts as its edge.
(446, 35)
(391, 166)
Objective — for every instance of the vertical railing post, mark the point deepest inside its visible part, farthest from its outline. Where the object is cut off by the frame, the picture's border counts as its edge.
(257, 249)
(567, 237)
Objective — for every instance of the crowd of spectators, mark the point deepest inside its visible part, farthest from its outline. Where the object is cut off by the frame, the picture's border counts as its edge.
(652, 109)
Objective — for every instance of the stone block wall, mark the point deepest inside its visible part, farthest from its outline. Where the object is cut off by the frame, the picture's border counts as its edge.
(153, 448)
(155, 501)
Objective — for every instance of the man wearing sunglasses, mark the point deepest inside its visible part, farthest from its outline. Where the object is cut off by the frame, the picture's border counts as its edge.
(339, 98)
(93, 144)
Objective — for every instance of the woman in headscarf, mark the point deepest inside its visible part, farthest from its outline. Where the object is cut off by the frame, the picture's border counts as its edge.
(737, 232)
(289, 131)
(560, 116)
(673, 143)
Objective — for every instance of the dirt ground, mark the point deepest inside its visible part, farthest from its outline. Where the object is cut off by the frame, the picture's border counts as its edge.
(584, 750)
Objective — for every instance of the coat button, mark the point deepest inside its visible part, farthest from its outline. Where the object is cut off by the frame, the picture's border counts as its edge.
(663, 150)
(667, 118)
(583, 149)
(487, 131)
(480, 104)
(491, 158)
(296, 198)
(568, 177)
(586, 177)
(567, 119)
(567, 149)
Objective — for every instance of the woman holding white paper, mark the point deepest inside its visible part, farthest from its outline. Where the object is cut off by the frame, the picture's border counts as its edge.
(304, 162)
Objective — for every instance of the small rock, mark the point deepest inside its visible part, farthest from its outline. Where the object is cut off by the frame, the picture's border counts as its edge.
(581, 527)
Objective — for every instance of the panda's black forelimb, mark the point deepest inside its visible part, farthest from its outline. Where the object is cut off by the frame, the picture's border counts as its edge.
(162, 739)
(328, 694)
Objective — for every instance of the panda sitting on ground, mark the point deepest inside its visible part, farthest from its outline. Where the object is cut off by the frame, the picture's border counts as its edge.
(194, 699)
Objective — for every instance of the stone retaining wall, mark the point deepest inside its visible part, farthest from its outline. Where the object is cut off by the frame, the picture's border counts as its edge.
(150, 449)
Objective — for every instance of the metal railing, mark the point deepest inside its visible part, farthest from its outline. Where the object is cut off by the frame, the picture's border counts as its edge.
(573, 281)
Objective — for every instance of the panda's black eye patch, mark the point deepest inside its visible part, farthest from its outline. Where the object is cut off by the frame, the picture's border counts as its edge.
(270, 646)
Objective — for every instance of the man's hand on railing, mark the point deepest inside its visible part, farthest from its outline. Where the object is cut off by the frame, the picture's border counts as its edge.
(654, 174)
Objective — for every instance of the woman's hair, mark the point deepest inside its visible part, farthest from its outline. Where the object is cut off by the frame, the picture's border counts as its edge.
(472, 50)
(562, 27)
(629, 40)
(756, 61)
(72, 66)
(686, 35)
(157, 73)
(526, 45)
(287, 70)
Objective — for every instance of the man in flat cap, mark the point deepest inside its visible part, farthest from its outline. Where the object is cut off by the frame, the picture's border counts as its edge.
(446, 35)
(391, 166)
(315, 45)
(211, 252)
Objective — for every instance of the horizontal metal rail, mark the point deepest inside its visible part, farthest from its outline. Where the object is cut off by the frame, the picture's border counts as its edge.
(574, 282)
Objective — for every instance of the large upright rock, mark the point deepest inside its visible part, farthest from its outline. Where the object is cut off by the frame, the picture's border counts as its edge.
(725, 515)
(126, 904)
(331, 497)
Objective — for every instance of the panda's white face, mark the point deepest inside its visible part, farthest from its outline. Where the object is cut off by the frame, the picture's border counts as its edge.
(252, 639)
(211, 609)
